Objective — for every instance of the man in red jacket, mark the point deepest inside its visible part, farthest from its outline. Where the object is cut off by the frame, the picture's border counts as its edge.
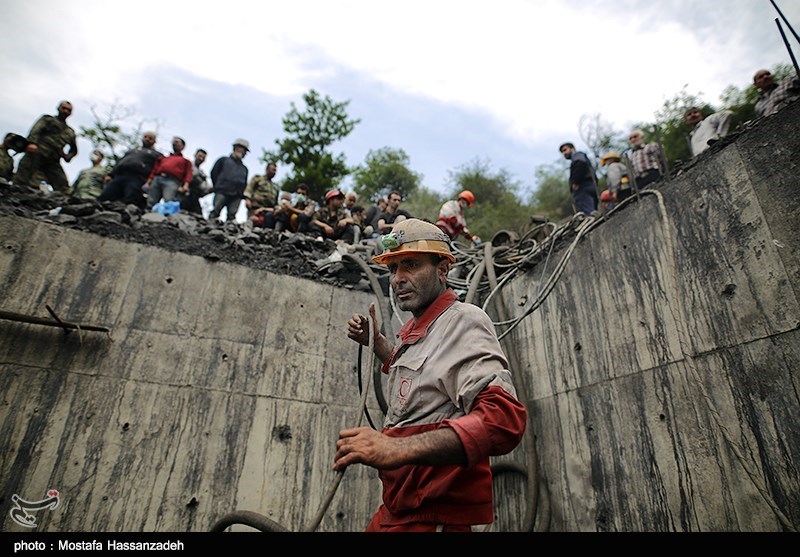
(170, 176)
(451, 400)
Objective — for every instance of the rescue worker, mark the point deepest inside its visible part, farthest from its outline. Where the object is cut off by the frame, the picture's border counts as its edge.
(452, 220)
(617, 174)
(451, 401)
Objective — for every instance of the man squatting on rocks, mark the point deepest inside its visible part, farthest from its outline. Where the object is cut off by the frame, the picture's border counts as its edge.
(451, 400)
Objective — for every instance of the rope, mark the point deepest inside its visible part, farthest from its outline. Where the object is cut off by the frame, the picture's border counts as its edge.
(312, 526)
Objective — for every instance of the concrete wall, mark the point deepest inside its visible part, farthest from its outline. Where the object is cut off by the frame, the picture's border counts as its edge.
(660, 374)
(220, 388)
(662, 371)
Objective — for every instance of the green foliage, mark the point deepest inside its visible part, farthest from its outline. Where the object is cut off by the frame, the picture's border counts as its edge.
(115, 131)
(552, 198)
(600, 136)
(309, 136)
(497, 206)
(383, 171)
(673, 133)
(424, 204)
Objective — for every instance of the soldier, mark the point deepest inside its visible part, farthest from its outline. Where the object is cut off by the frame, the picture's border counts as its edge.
(260, 197)
(331, 220)
(46, 142)
(6, 160)
(90, 181)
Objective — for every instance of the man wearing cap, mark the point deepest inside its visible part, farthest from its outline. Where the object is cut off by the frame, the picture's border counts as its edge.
(451, 400)
(229, 176)
(331, 220)
(619, 186)
(452, 220)
(170, 176)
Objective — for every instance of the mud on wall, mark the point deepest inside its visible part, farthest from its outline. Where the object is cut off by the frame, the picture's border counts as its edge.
(662, 371)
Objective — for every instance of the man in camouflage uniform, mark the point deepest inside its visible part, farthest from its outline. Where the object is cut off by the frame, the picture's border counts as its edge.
(46, 142)
(331, 220)
(261, 196)
(90, 181)
(6, 160)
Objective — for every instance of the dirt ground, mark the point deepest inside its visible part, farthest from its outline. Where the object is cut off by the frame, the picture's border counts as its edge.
(281, 253)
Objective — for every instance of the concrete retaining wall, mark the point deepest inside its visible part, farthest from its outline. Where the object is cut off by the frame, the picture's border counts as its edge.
(660, 374)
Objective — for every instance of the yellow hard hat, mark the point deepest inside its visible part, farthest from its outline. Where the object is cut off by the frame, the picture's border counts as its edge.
(609, 156)
(414, 236)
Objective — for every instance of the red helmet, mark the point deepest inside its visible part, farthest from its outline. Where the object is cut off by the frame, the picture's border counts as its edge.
(468, 196)
(605, 196)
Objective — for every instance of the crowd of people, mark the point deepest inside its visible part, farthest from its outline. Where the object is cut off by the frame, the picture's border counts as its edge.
(151, 180)
(452, 403)
(645, 163)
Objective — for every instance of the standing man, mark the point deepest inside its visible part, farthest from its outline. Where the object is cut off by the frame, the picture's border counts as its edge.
(170, 176)
(198, 185)
(706, 131)
(90, 181)
(261, 196)
(647, 160)
(452, 220)
(452, 403)
(229, 176)
(774, 96)
(46, 142)
(129, 175)
(582, 180)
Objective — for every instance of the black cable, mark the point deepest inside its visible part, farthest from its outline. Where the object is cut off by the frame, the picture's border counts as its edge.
(361, 387)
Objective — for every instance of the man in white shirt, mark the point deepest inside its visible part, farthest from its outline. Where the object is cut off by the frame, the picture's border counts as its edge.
(706, 131)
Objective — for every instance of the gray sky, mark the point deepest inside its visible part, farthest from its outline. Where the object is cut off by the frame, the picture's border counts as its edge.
(447, 81)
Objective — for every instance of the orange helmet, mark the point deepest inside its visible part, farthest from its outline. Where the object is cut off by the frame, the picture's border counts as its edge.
(414, 236)
(468, 196)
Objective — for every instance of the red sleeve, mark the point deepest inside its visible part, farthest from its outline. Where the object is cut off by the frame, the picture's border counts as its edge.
(494, 426)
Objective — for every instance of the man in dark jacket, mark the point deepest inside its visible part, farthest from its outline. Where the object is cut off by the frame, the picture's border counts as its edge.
(129, 175)
(229, 176)
(582, 180)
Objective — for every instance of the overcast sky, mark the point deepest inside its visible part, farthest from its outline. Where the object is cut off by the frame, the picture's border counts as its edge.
(449, 82)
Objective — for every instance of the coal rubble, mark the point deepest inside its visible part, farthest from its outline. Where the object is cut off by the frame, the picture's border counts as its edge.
(284, 253)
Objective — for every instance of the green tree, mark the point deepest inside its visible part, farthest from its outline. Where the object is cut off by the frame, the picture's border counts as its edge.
(600, 136)
(552, 198)
(383, 171)
(497, 206)
(115, 130)
(423, 204)
(306, 148)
